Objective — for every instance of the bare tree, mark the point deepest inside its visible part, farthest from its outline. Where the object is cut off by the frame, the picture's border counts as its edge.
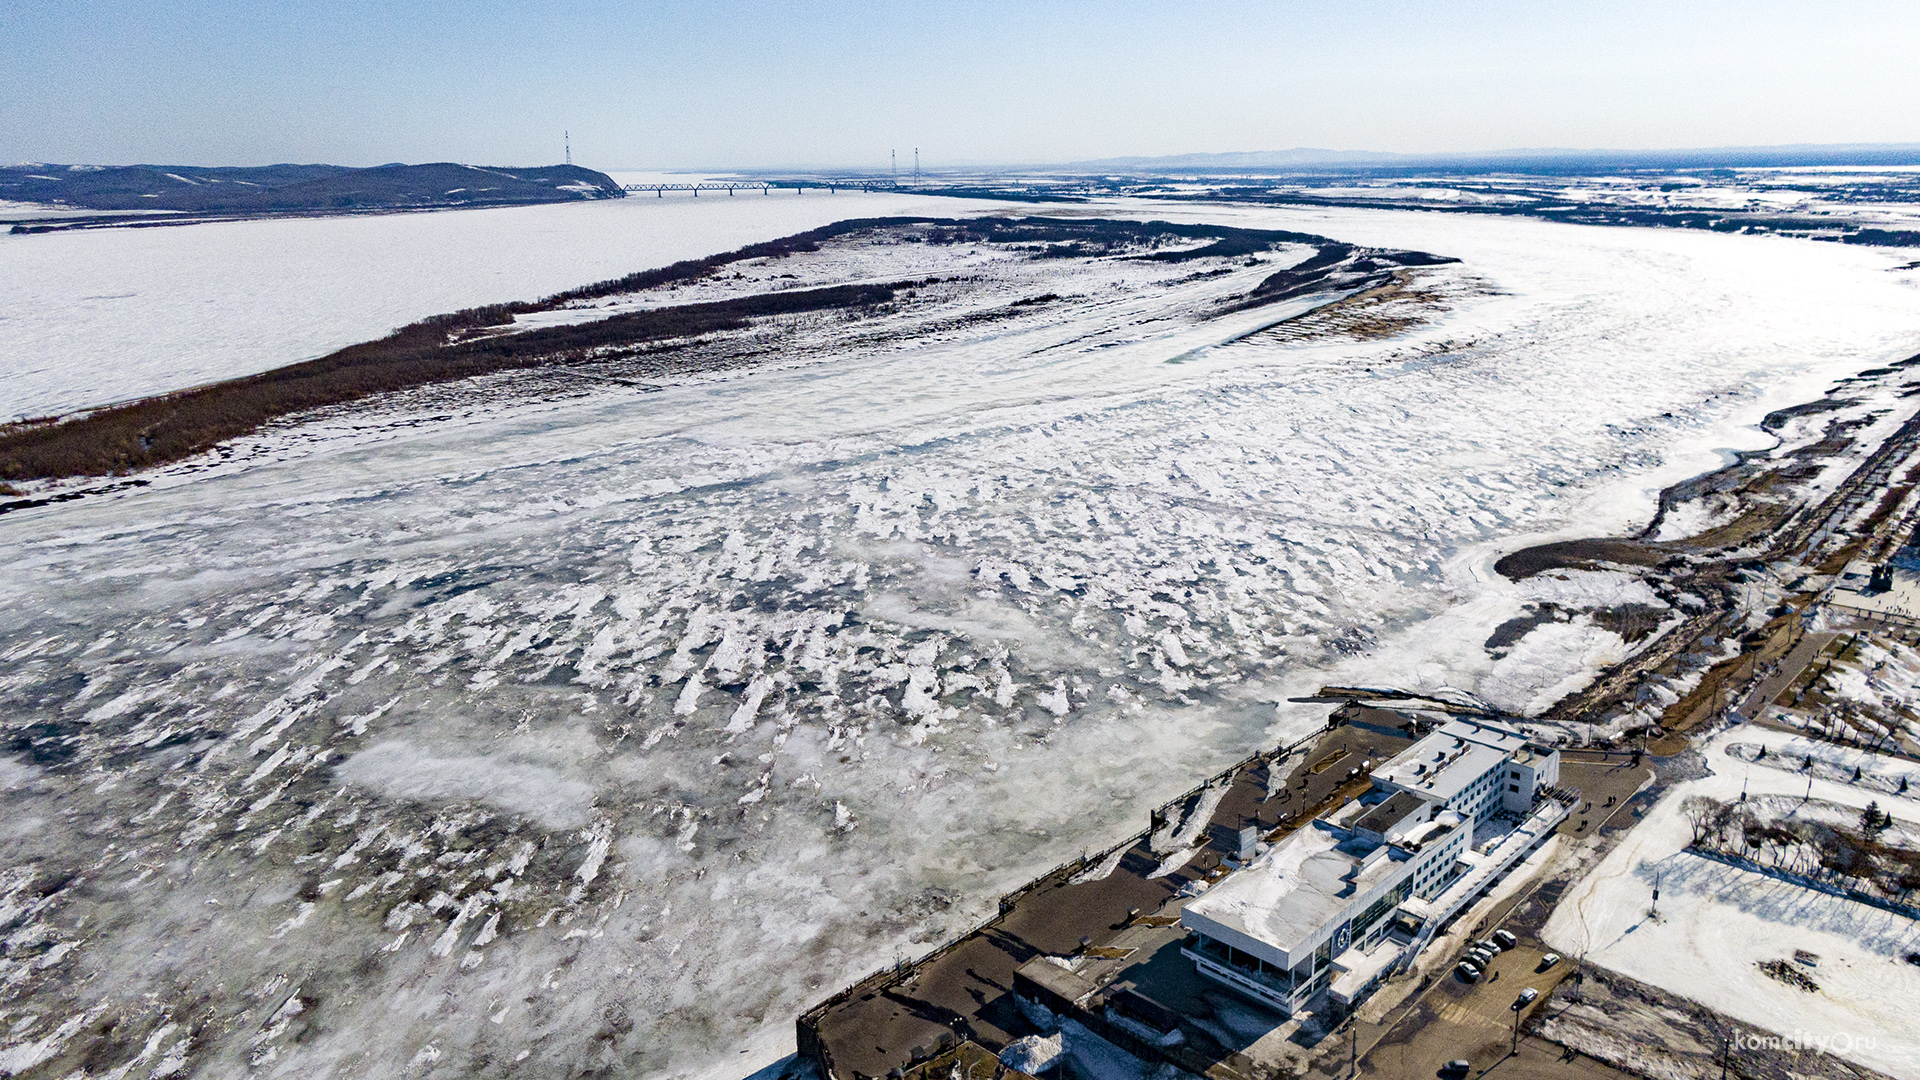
(1722, 818)
(1700, 813)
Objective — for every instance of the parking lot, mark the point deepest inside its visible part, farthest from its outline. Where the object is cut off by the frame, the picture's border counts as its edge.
(1475, 1022)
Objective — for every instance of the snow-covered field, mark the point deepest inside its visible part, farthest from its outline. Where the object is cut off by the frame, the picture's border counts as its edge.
(613, 730)
(98, 316)
(1717, 923)
(1876, 197)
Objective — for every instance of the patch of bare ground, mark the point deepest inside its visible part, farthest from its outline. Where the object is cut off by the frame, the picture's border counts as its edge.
(1579, 555)
(1633, 622)
(1783, 971)
(1701, 704)
(1407, 302)
(173, 426)
(1644, 1030)
(1764, 491)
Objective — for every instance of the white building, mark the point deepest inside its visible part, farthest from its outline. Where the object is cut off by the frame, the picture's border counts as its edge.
(1319, 901)
(1316, 912)
(1469, 765)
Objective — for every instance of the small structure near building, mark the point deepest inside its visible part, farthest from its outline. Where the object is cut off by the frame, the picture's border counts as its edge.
(1888, 592)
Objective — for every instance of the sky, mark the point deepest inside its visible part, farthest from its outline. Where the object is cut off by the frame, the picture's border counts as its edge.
(827, 83)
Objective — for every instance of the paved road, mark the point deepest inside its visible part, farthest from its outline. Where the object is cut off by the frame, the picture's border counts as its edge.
(1791, 665)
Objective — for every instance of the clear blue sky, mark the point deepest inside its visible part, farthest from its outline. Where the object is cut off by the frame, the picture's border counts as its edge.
(718, 85)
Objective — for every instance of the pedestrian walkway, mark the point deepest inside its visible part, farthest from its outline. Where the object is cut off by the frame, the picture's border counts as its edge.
(1790, 667)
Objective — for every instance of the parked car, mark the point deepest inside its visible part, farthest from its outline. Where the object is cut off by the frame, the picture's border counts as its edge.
(1489, 943)
(1549, 960)
(1467, 971)
(1457, 1067)
(1527, 995)
(1481, 956)
(1506, 939)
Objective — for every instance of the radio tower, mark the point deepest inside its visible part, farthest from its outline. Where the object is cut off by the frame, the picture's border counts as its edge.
(567, 138)
(916, 166)
(893, 167)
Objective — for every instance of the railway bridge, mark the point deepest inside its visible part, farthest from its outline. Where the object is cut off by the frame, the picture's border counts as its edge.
(765, 187)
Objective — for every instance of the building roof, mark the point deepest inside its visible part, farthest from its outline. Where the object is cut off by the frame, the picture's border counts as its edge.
(1051, 976)
(1442, 822)
(1357, 969)
(1296, 889)
(1453, 756)
(1504, 739)
(1440, 766)
(1527, 755)
(1390, 812)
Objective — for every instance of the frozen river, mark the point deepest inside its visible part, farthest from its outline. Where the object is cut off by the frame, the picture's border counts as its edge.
(616, 730)
(98, 316)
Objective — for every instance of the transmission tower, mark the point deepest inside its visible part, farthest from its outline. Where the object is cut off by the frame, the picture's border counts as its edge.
(916, 166)
(567, 138)
(893, 167)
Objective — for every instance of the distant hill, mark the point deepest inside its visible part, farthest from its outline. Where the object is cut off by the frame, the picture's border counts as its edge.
(297, 188)
(1247, 159)
(1310, 160)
